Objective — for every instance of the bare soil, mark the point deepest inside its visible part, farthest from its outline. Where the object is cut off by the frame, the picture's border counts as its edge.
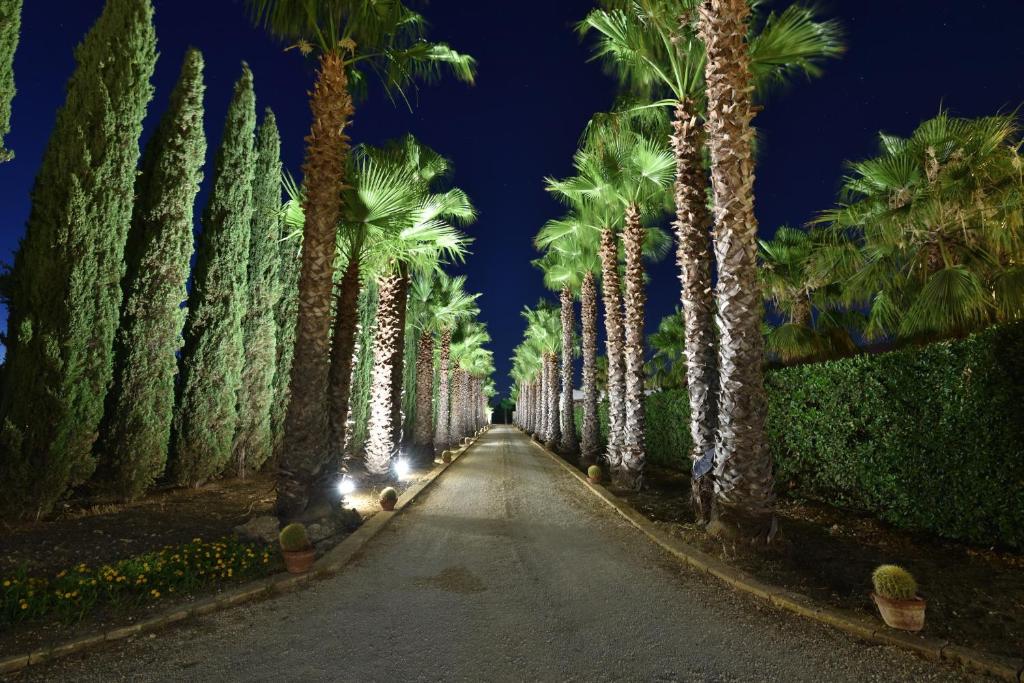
(104, 533)
(975, 595)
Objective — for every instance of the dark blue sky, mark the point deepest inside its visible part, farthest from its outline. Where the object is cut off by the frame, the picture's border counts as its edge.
(534, 94)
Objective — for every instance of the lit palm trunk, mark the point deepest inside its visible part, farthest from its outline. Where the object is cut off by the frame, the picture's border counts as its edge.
(302, 474)
(588, 319)
(693, 256)
(442, 434)
(343, 345)
(631, 468)
(568, 443)
(398, 366)
(743, 466)
(423, 431)
(553, 430)
(610, 288)
(380, 443)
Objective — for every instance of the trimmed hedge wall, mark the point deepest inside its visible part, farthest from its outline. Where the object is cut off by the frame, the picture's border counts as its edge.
(928, 438)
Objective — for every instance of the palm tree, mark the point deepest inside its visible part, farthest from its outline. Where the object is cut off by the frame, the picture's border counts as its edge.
(814, 324)
(468, 355)
(543, 334)
(929, 236)
(667, 367)
(440, 302)
(624, 169)
(526, 367)
(352, 37)
(744, 494)
(653, 48)
(572, 265)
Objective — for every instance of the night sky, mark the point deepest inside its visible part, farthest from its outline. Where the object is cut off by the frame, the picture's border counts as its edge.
(535, 91)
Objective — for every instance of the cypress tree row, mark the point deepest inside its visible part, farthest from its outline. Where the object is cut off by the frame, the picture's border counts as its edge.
(10, 31)
(137, 427)
(285, 316)
(254, 440)
(64, 290)
(207, 412)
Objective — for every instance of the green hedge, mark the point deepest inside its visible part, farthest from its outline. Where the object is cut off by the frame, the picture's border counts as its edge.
(929, 438)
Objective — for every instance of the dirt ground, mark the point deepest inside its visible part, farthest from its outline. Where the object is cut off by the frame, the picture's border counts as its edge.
(107, 533)
(975, 595)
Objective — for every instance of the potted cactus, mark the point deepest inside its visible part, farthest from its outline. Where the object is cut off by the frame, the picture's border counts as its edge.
(388, 498)
(896, 596)
(594, 474)
(298, 552)
(446, 456)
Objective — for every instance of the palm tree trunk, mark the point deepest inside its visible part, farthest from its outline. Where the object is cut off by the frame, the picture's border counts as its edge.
(542, 427)
(346, 320)
(614, 343)
(423, 431)
(442, 434)
(693, 256)
(398, 367)
(630, 473)
(588, 321)
(553, 430)
(302, 473)
(743, 465)
(380, 441)
(568, 443)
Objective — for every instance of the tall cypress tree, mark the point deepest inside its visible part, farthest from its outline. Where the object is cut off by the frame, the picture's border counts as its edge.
(207, 411)
(10, 31)
(137, 427)
(285, 316)
(64, 290)
(254, 440)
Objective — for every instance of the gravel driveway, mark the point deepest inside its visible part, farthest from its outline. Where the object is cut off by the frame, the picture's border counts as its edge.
(506, 570)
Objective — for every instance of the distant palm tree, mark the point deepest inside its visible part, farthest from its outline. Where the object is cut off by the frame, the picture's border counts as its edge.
(441, 303)
(929, 235)
(667, 367)
(352, 37)
(623, 168)
(814, 324)
(468, 356)
(653, 48)
(573, 265)
(543, 334)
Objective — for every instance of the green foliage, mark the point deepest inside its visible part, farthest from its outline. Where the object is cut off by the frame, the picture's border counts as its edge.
(136, 429)
(388, 494)
(10, 32)
(207, 413)
(75, 592)
(926, 438)
(894, 582)
(286, 313)
(254, 439)
(293, 538)
(64, 290)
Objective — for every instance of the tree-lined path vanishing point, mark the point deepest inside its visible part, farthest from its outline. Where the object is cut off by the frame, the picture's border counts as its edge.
(505, 570)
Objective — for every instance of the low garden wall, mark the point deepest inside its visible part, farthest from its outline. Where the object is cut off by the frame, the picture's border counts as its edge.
(928, 438)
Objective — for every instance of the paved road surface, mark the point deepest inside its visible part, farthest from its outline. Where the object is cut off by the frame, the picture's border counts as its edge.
(505, 571)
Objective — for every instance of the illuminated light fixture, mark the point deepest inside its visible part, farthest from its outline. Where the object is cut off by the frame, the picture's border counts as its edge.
(347, 485)
(401, 468)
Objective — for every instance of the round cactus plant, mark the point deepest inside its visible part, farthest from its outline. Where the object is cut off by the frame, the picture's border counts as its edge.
(293, 538)
(594, 472)
(388, 495)
(894, 583)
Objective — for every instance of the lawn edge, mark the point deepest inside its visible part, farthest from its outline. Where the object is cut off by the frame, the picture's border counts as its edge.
(1004, 668)
(331, 563)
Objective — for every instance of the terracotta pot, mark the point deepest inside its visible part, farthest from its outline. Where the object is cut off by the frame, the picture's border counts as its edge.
(906, 615)
(388, 504)
(594, 480)
(299, 561)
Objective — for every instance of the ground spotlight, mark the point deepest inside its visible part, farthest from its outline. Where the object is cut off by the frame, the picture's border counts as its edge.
(401, 468)
(347, 485)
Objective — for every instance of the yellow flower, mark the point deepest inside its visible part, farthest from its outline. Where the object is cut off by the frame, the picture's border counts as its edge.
(7, 584)
(155, 593)
(24, 605)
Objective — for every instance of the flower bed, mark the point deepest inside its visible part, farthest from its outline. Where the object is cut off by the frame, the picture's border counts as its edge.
(73, 593)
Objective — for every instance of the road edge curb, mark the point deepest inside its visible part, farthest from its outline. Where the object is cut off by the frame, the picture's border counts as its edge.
(331, 563)
(1004, 668)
